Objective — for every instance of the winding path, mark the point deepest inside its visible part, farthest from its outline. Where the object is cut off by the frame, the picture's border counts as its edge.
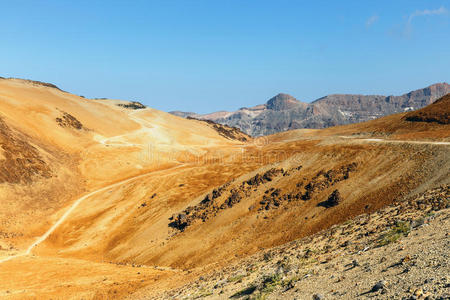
(80, 200)
(74, 206)
(117, 141)
(395, 141)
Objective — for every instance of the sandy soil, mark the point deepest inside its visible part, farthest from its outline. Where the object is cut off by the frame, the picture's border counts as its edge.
(97, 186)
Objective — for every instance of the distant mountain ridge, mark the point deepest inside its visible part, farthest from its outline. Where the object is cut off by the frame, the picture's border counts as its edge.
(284, 112)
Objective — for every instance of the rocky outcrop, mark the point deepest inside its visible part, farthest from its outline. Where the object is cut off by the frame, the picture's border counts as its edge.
(323, 179)
(284, 112)
(132, 105)
(333, 200)
(69, 121)
(228, 132)
(222, 198)
(229, 194)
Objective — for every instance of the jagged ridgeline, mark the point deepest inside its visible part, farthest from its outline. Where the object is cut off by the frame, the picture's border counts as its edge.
(284, 112)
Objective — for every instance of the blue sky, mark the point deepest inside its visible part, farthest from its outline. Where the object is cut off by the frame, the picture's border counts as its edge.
(205, 56)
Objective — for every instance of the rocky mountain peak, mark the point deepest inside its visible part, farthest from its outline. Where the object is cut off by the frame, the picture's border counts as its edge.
(284, 112)
(282, 102)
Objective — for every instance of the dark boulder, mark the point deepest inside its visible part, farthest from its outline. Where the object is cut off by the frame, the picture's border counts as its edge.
(333, 200)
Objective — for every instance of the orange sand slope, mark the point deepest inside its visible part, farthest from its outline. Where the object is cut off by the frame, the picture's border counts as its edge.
(100, 188)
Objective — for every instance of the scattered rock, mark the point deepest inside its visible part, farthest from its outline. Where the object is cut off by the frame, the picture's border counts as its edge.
(333, 200)
(378, 286)
(69, 121)
(179, 222)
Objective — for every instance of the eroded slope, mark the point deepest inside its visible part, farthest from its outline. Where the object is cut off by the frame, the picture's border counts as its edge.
(176, 193)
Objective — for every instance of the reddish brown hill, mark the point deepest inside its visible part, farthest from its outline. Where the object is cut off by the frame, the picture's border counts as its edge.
(438, 112)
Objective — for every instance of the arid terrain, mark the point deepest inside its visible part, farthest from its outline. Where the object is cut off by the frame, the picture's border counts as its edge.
(109, 199)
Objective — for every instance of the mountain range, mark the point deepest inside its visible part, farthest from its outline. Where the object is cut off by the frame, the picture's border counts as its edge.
(284, 112)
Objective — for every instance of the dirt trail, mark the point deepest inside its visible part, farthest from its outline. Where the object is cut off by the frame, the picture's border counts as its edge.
(109, 141)
(395, 141)
(74, 206)
(145, 127)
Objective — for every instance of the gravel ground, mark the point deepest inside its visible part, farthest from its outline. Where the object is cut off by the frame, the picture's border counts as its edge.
(399, 252)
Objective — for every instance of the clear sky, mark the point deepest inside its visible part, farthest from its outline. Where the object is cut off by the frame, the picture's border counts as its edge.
(213, 55)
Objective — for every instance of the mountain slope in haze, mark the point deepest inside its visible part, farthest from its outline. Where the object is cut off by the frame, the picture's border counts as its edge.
(284, 112)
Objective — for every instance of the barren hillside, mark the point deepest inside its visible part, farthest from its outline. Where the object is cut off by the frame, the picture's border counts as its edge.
(130, 199)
